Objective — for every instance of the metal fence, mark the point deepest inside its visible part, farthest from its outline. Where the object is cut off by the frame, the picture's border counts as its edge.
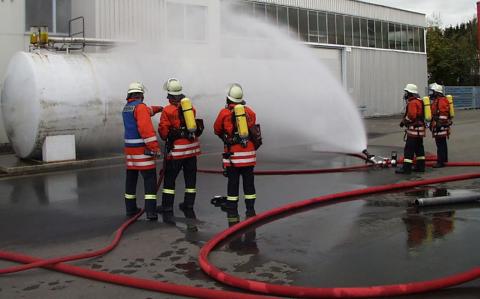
(465, 97)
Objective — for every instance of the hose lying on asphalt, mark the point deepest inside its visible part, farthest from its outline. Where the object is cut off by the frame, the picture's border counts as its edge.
(313, 292)
(58, 264)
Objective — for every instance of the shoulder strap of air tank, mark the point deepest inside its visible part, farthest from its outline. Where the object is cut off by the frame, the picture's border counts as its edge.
(234, 121)
(181, 117)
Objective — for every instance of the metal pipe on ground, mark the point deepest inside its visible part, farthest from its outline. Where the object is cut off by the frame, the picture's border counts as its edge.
(446, 200)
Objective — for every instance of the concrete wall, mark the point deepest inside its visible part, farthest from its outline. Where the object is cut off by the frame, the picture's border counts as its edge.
(376, 78)
(12, 29)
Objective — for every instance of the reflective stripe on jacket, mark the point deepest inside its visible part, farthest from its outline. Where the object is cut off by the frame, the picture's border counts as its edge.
(182, 147)
(414, 118)
(441, 117)
(241, 156)
(139, 136)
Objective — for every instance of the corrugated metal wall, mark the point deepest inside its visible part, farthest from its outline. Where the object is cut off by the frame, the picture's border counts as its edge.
(129, 19)
(358, 8)
(376, 78)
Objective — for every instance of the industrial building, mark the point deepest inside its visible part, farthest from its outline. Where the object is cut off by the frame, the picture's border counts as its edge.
(372, 50)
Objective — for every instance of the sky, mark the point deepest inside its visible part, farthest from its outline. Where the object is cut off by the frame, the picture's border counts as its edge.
(452, 12)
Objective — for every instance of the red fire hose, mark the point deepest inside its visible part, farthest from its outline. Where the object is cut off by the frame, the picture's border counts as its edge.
(57, 264)
(355, 292)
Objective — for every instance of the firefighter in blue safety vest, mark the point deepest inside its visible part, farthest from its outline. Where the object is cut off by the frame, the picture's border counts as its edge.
(141, 150)
(414, 123)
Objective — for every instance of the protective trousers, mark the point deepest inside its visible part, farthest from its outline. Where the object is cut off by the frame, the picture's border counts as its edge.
(173, 168)
(248, 178)
(414, 147)
(442, 150)
(150, 185)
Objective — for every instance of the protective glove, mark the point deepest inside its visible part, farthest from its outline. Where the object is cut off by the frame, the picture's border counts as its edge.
(402, 124)
(155, 109)
(200, 127)
(152, 153)
(174, 133)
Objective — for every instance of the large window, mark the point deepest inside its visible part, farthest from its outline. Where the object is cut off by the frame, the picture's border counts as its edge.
(313, 33)
(422, 40)
(356, 32)
(327, 27)
(385, 34)
(272, 13)
(322, 28)
(52, 13)
(411, 39)
(391, 36)
(371, 33)
(364, 32)
(398, 36)
(282, 14)
(303, 24)
(348, 31)
(378, 34)
(331, 27)
(340, 26)
(293, 22)
(259, 11)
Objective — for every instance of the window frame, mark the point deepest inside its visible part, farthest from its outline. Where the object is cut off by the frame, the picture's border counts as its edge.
(385, 35)
(51, 30)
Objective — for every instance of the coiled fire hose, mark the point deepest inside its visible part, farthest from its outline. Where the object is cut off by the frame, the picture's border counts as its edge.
(58, 264)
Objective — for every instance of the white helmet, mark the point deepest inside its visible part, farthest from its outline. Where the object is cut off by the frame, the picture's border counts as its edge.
(436, 87)
(136, 87)
(411, 88)
(173, 87)
(235, 93)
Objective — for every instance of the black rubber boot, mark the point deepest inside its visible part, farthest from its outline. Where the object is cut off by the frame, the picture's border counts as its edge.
(151, 209)
(250, 213)
(250, 205)
(420, 167)
(191, 217)
(188, 202)
(230, 205)
(438, 165)
(406, 169)
(131, 207)
(167, 209)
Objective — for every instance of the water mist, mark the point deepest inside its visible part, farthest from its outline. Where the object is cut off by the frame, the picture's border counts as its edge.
(297, 101)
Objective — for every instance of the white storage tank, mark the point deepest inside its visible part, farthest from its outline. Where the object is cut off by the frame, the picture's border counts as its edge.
(47, 94)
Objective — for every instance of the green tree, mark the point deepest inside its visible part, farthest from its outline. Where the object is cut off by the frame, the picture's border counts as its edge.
(452, 54)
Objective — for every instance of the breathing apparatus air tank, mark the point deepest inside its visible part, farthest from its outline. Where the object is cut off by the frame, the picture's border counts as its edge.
(188, 115)
(241, 120)
(452, 109)
(427, 109)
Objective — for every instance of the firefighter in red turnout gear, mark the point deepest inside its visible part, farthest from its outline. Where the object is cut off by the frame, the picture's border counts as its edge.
(239, 158)
(183, 148)
(441, 122)
(141, 150)
(414, 123)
